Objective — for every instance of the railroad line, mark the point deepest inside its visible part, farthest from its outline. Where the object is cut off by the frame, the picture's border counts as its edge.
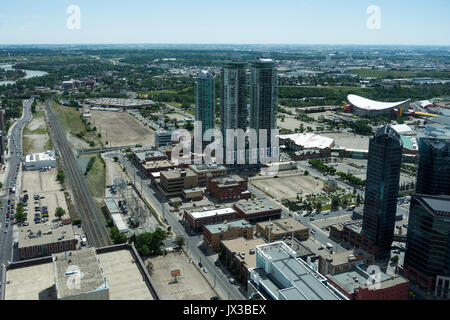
(84, 203)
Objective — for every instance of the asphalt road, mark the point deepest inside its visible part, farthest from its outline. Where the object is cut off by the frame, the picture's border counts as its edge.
(14, 161)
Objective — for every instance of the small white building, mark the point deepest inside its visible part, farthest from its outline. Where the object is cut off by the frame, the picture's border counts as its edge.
(38, 161)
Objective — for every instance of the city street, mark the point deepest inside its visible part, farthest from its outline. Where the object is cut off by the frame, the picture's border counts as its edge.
(14, 159)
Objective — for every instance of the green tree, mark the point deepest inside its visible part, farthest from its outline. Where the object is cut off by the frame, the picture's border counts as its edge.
(61, 176)
(60, 212)
(179, 241)
(20, 216)
(117, 237)
(116, 158)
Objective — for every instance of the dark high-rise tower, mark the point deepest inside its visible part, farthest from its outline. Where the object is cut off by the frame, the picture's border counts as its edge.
(263, 96)
(427, 259)
(382, 185)
(433, 175)
(205, 100)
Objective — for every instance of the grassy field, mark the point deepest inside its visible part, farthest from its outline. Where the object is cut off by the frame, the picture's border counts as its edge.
(41, 130)
(72, 123)
(96, 178)
(27, 145)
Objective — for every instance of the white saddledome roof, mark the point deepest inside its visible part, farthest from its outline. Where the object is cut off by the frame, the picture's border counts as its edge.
(367, 104)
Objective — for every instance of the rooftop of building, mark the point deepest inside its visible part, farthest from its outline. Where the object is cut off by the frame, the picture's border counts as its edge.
(354, 225)
(205, 168)
(409, 143)
(211, 213)
(292, 278)
(158, 164)
(309, 140)
(35, 281)
(111, 205)
(242, 246)
(346, 256)
(438, 205)
(142, 155)
(358, 277)
(39, 234)
(251, 206)
(281, 226)
(79, 263)
(227, 226)
(42, 156)
(177, 173)
(228, 181)
(121, 102)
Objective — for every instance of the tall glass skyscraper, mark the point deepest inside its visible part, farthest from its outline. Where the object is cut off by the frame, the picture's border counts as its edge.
(233, 106)
(263, 96)
(433, 176)
(382, 185)
(427, 259)
(205, 100)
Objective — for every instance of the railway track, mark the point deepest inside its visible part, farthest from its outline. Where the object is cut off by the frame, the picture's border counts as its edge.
(93, 225)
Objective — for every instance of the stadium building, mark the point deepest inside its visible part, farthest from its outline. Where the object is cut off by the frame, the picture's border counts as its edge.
(369, 108)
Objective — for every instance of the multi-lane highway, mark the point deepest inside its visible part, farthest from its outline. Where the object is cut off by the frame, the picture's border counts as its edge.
(93, 225)
(14, 161)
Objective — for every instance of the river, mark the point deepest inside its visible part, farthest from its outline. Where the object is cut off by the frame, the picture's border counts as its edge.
(29, 74)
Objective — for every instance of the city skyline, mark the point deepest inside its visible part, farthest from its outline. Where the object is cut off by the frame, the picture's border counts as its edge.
(286, 22)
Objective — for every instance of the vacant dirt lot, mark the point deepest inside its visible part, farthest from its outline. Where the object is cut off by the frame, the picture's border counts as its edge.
(45, 185)
(35, 136)
(292, 124)
(190, 285)
(121, 129)
(288, 187)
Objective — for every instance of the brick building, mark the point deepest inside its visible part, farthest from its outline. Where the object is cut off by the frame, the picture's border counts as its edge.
(198, 219)
(357, 284)
(227, 188)
(214, 233)
(257, 209)
(330, 263)
(44, 240)
(282, 228)
(202, 170)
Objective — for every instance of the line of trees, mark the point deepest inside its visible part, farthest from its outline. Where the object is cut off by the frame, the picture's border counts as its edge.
(351, 179)
(318, 164)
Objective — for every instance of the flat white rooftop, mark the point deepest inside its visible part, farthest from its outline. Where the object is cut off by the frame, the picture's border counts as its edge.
(211, 213)
(309, 140)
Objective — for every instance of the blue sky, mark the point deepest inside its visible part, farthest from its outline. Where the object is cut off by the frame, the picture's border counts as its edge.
(402, 22)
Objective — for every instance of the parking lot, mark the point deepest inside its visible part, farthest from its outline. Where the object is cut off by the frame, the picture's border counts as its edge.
(48, 194)
(120, 128)
(288, 187)
(190, 285)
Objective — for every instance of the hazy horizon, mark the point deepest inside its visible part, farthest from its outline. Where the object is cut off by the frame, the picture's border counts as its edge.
(205, 22)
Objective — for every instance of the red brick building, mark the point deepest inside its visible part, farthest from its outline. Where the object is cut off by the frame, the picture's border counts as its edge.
(356, 284)
(257, 209)
(42, 240)
(198, 219)
(351, 233)
(227, 188)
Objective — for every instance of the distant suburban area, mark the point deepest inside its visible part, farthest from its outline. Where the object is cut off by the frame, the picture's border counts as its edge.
(355, 206)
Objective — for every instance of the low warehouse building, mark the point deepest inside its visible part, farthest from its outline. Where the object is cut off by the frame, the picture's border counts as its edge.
(198, 219)
(38, 161)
